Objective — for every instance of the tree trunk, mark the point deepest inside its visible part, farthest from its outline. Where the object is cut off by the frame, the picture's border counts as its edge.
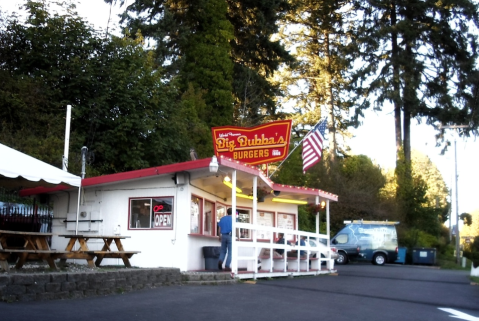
(407, 99)
(330, 102)
(396, 83)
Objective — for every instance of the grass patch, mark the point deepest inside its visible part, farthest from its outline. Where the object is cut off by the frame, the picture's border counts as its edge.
(448, 262)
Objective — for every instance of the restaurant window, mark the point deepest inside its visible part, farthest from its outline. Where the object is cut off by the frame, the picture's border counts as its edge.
(151, 213)
(243, 216)
(208, 218)
(195, 214)
(220, 212)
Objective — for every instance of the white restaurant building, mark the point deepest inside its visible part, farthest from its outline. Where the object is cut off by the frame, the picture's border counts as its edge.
(170, 213)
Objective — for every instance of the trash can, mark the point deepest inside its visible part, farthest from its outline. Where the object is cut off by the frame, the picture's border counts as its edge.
(401, 255)
(212, 256)
(421, 255)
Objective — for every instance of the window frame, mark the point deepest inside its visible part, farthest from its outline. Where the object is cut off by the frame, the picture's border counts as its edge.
(151, 214)
(202, 217)
(200, 214)
(212, 219)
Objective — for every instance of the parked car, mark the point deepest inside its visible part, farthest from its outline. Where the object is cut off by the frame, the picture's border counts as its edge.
(323, 248)
(372, 241)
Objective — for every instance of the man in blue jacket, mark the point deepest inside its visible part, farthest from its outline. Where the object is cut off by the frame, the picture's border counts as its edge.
(225, 228)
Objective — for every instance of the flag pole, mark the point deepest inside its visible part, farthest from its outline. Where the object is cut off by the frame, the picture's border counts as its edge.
(294, 148)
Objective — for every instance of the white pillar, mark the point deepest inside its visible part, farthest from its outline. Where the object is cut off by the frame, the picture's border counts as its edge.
(254, 221)
(234, 255)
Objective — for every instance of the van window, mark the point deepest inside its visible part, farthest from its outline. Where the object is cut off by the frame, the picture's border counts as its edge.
(342, 239)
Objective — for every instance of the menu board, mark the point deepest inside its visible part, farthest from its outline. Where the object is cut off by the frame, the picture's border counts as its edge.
(264, 219)
(286, 221)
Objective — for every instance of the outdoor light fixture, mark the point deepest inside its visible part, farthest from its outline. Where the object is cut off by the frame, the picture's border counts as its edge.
(228, 183)
(289, 201)
(214, 166)
(275, 193)
(227, 178)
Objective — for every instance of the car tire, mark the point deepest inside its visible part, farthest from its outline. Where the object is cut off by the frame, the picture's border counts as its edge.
(342, 258)
(379, 259)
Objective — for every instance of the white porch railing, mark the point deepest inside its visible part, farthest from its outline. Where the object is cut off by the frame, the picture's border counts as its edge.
(247, 254)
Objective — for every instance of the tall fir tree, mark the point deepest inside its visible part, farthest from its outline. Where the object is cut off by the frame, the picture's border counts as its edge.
(254, 54)
(319, 34)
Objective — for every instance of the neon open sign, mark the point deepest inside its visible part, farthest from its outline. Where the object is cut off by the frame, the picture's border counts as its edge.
(158, 208)
(162, 220)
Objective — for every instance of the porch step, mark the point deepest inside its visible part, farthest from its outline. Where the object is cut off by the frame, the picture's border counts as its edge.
(207, 278)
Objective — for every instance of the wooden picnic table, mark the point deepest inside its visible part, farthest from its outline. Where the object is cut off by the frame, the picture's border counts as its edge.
(35, 246)
(83, 252)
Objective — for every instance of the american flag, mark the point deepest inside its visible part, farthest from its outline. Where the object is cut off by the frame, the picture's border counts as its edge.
(313, 145)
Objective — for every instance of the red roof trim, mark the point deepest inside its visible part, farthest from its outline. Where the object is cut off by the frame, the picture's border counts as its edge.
(42, 190)
(185, 166)
(147, 172)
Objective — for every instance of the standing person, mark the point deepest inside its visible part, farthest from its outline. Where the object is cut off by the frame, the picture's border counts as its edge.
(225, 228)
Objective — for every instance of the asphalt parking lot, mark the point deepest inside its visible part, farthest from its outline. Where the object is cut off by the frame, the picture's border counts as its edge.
(357, 292)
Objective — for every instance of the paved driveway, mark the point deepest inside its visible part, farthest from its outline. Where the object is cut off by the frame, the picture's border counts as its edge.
(358, 292)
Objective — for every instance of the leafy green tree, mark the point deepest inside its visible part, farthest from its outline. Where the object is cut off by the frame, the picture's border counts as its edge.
(122, 110)
(355, 179)
(467, 218)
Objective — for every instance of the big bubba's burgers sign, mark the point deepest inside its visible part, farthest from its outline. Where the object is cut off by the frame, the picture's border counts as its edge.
(255, 145)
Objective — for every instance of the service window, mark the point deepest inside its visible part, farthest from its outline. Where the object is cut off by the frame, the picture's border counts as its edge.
(243, 216)
(220, 212)
(151, 213)
(208, 218)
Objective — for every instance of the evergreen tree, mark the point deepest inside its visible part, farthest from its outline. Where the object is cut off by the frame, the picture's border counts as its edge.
(319, 32)
(207, 67)
(420, 56)
(176, 29)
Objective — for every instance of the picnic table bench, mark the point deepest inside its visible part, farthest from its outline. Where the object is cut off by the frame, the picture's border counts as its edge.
(35, 246)
(83, 252)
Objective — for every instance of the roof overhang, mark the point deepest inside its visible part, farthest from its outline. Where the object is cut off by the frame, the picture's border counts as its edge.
(199, 175)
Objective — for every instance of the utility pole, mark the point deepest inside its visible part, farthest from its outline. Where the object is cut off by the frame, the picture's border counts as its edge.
(67, 138)
(456, 127)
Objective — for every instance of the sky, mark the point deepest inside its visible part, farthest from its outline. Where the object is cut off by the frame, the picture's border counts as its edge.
(375, 138)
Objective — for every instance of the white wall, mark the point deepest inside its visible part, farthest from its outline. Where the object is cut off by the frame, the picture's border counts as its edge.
(159, 248)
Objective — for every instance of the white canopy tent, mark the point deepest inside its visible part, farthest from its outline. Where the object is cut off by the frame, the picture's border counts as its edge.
(18, 170)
